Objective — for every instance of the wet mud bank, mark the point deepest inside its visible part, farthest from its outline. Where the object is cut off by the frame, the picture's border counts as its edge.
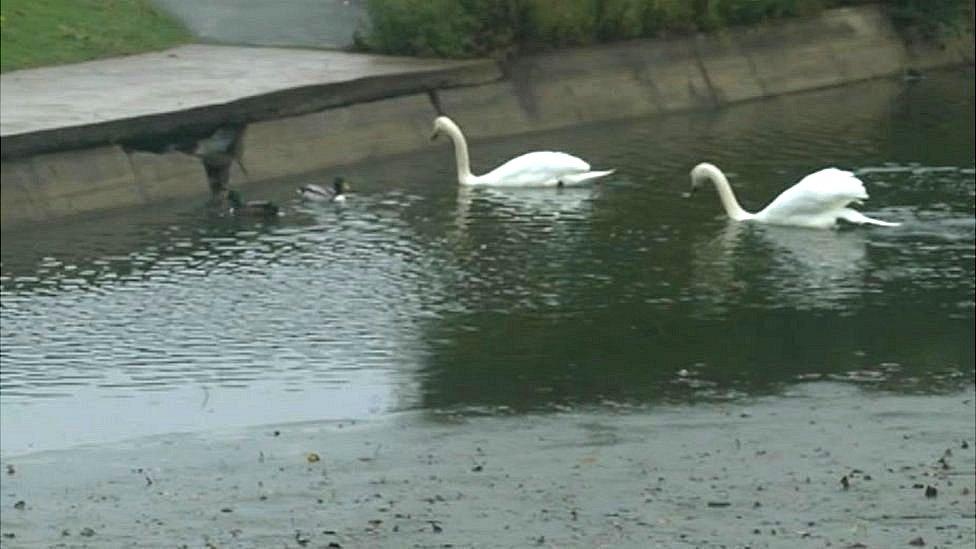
(823, 465)
(314, 126)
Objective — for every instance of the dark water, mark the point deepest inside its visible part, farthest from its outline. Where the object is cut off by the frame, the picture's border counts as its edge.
(419, 295)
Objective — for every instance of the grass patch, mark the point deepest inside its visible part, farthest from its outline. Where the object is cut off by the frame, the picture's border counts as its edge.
(35, 33)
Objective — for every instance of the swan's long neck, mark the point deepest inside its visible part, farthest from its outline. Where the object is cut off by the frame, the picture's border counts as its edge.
(465, 177)
(704, 172)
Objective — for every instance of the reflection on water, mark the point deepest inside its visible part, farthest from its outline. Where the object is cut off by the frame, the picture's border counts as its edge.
(799, 268)
(542, 204)
(418, 294)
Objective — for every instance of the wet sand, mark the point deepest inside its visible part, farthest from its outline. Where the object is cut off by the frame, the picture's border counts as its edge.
(825, 465)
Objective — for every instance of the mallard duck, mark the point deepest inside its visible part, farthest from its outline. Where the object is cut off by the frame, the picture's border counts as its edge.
(316, 193)
(251, 208)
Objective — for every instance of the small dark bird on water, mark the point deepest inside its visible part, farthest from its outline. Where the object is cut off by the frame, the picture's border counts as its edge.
(316, 193)
(251, 208)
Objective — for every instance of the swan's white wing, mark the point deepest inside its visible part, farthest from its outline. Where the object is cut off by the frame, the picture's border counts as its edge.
(838, 184)
(820, 193)
(535, 168)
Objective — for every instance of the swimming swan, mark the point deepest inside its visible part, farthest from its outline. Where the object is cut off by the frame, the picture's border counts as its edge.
(534, 169)
(817, 201)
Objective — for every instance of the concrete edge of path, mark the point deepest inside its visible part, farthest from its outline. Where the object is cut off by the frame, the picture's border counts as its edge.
(287, 101)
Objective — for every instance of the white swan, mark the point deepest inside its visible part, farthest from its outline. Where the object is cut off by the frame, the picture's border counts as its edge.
(534, 169)
(817, 201)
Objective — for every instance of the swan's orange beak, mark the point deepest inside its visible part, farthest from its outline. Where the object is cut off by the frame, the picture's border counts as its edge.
(434, 134)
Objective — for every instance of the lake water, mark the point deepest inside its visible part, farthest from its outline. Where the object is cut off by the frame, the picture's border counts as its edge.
(416, 295)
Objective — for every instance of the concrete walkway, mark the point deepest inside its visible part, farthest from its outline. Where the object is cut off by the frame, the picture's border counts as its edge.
(197, 87)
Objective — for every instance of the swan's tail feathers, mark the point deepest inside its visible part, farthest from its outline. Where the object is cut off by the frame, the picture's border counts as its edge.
(857, 217)
(577, 178)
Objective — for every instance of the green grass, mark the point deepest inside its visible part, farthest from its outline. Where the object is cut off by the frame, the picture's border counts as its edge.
(35, 33)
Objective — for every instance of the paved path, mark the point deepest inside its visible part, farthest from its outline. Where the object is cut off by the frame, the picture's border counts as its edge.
(141, 95)
(311, 23)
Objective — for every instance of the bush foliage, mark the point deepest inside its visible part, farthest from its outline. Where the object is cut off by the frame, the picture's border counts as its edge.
(472, 28)
(932, 17)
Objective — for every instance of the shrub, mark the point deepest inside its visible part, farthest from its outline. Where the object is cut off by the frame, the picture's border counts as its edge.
(469, 28)
(931, 18)
(562, 23)
(441, 28)
(662, 16)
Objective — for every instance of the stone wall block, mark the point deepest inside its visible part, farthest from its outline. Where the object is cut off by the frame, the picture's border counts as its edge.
(793, 55)
(867, 45)
(379, 128)
(169, 175)
(947, 51)
(275, 148)
(729, 71)
(312, 142)
(80, 181)
(584, 85)
(487, 111)
(17, 205)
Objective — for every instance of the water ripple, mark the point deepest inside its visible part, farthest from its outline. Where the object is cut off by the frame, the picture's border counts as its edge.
(420, 294)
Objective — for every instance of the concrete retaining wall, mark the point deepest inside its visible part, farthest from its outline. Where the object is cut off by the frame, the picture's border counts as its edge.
(59, 185)
(542, 92)
(656, 76)
(309, 142)
(623, 80)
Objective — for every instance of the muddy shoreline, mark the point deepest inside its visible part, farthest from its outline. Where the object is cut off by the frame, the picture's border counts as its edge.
(824, 465)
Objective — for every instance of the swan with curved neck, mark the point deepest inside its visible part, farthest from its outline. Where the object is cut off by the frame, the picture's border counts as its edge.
(534, 169)
(818, 201)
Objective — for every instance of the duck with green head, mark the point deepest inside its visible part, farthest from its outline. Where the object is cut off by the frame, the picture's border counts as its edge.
(317, 193)
(251, 208)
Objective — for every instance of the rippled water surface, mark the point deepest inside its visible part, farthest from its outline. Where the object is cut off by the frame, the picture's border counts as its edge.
(416, 295)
